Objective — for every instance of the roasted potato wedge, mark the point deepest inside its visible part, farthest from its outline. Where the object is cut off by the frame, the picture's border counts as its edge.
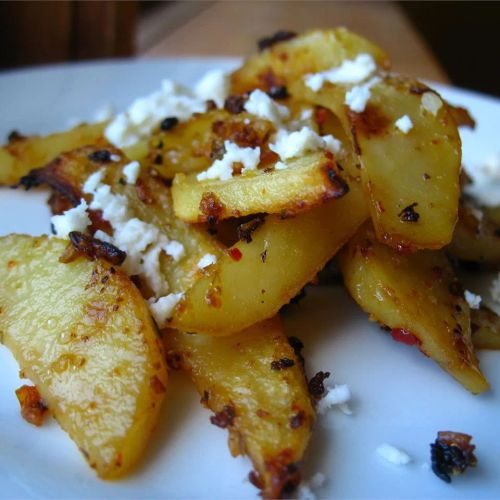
(253, 280)
(22, 154)
(313, 51)
(83, 334)
(485, 326)
(308, 181)
(418, 298)
(255, 385)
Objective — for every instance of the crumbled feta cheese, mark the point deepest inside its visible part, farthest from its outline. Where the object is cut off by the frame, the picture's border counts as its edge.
(261, 105)
(207, 260)
(393, 454)
(306, 489)
(306, 114)
(146, 112)
(223, 169)
(131, 171)
(175, 249)
(291, 144)
(472, 299)
(485, 188)
(404, 124)
(162, 308)
(101, 235)
(215, 86)
(104, 113)
(338, 395)
(115, 158)
(114, 206)
(349, 72)
(431, 102)
(74, 219)
(357, 98)
(93, 180)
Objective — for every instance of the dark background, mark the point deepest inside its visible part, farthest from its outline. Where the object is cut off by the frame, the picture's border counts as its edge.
(462, 35)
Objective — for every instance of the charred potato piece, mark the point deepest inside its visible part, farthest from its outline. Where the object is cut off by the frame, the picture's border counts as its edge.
(308, 181)
(22, 154)
(485, 326)
(83, 334)
(418, 298)
(255, 385)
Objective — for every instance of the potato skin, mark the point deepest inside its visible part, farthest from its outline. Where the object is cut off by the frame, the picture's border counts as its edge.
(263, 402)
(419, 294)
(83, 334)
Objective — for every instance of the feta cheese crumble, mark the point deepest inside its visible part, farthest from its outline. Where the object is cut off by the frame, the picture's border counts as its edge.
(213, 86)
(291, 144)
(261, 105)
(163, 308)
(404, 124)
(131, 172)
(393, 455)
(223, 169)
(93, 180)
(207, 260)
(431, 102)
(485, 188)
(74, 219)
(306, 489)
(338, 395)
(472, 299)
(351, 71)
(357, 98)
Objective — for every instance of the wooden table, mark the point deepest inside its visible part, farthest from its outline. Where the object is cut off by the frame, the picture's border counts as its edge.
(232, 28)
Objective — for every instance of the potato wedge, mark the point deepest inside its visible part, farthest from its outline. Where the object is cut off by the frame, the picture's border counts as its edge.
(23, 154)
(268, 412)
(418, 298)
(412, 179)
(83, 334)
(485, 327)
(253, 280)
(313, 51)
(308, 181)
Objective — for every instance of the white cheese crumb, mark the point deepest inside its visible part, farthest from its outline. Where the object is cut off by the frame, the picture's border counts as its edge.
(175, 249)
(93, 180)
(291, 144)
(393, 454)
(404, 124)
(131, 171)
(472, 299)
(115, 158)
(223, 169)
(306, 489)
(349, 72)
(101, 235)
(261, 105)
(338, 395)
(486, 186)
(207, 260)
(162, 308)
(215, 86)
(357, 98)
(74, 219)
(431, 102)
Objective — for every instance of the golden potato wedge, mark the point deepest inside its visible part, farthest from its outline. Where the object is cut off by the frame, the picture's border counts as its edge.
(313, 51)
(412, 178)
(22, 154)
(418, 298)
(476, 237)
(256, 387)
(83, 334)
(253, 280)
(148, 199)
(308, 181)
(485, 327)
(192, 146)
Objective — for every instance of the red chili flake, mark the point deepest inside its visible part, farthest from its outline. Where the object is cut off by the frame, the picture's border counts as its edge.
(405, 336)
(321, 115)
(224, 418)
(297, 420)
(235, 254)
(33, 409)
(157, 385)
(235, 104)
(256, 479)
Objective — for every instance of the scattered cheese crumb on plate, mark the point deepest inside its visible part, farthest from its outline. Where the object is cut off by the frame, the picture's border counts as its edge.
(393, 455)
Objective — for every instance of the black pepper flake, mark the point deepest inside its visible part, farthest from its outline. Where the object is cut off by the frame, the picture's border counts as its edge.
(298, 419)
(451, 454)
(297, 346)
(279, 36)
(235, 104)
(100, 156)
(211, 105)
(278, 92)
(408, 214)
(263, 256)
(169, 123)
(158, 159)
(122, 181)
(245, 230)
(282, 364)
(15, 135)
(426, 177)
(223, 418)
(316, 385)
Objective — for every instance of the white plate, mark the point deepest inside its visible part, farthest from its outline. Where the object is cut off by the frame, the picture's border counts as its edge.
(400, 396)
